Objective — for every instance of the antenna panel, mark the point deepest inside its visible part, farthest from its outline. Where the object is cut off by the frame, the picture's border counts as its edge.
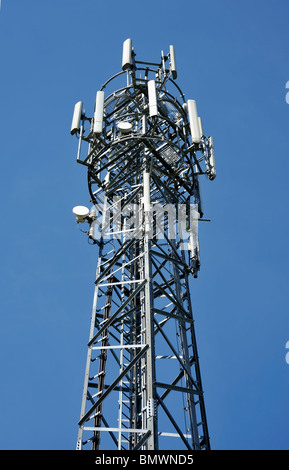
(153, 104)
(194, 122)
(76, 118)
(98, 113)
(126, 54)
(173, 62)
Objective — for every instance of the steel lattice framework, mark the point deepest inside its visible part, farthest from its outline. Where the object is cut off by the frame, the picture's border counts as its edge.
(142, 386)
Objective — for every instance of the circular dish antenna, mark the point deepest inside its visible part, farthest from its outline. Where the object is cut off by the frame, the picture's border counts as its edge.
(80, 212)
(124, 127)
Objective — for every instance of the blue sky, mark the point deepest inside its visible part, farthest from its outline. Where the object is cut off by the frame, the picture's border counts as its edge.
(233, 58)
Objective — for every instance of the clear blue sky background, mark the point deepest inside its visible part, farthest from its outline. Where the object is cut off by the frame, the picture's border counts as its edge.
(233, 58)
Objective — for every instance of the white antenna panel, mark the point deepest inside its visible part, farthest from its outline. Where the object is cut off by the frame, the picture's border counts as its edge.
(76, 118)
(98, 113)
(126, 54)
(153, 104)
(194, 122)
(173, 62)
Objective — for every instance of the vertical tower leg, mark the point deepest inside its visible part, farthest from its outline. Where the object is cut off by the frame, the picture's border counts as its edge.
(148, 314)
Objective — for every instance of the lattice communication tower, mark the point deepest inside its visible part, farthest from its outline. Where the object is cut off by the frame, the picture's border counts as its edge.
(145, 152)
